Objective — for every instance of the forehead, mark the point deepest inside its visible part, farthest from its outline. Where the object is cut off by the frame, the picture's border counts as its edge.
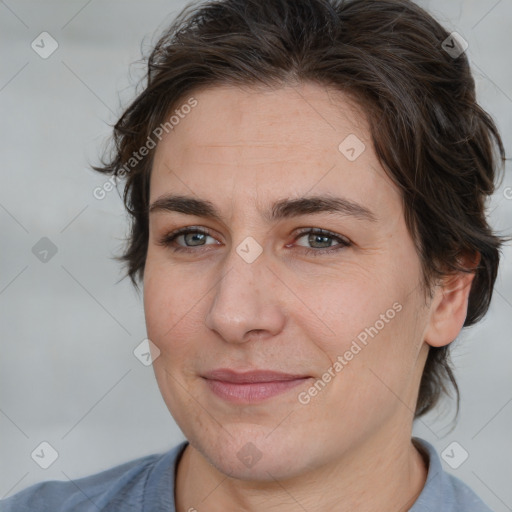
(259, 141)
(261, 118)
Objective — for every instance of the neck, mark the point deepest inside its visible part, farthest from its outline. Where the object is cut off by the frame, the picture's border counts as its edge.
(386, 475)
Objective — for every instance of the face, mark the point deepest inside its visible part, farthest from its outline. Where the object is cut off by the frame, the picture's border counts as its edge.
(300, 264)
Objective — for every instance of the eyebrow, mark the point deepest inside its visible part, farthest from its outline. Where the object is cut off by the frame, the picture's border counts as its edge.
(284, 208)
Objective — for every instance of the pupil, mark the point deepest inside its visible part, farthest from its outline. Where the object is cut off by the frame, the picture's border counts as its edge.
(320, 238)
(197, 236)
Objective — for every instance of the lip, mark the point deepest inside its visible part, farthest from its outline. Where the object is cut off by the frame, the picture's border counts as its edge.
(252, 386)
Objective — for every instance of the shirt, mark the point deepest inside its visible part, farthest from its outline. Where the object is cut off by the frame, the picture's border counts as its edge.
(146, 484)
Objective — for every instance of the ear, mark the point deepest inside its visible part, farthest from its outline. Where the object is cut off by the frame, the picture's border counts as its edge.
(449, 305)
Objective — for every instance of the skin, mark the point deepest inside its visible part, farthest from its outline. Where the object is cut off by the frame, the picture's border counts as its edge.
(350, 447)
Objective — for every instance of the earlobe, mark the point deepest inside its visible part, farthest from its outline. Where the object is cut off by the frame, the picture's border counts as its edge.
(449, 307)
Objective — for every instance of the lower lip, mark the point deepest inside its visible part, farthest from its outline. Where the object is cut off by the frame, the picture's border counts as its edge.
(251, 392)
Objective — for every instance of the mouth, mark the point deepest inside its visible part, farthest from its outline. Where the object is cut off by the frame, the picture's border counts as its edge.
(250, 387)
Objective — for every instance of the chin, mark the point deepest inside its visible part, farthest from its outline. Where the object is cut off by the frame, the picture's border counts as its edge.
(254, 455)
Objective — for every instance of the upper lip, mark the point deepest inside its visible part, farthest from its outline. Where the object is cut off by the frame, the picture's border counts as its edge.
(228, 375)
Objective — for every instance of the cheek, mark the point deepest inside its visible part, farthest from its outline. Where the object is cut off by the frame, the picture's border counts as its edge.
(174, 301)
(164, 302)
(370, 320)
(156, 308)
(344, 305)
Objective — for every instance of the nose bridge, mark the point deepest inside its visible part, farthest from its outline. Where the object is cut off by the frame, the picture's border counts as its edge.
(241, 278)
(242, 300)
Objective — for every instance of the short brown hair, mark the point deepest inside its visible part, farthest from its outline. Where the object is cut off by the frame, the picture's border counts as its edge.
(432, 138)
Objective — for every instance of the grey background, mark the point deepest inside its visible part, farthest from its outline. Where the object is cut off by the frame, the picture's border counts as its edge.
(68, 329)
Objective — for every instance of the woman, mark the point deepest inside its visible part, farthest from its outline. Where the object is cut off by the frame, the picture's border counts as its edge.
(306, 181)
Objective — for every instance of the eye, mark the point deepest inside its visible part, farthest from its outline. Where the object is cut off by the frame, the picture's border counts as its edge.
(192, 237)
(323, 240)
(196, 237)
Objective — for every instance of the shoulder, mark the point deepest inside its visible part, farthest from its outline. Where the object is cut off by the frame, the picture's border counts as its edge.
(443, 491)
(465, 499)
(122, 487)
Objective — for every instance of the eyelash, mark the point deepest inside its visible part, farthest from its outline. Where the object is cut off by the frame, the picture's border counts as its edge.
(168, 240)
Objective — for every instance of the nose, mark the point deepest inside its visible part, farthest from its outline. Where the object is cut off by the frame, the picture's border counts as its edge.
(245, 304)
